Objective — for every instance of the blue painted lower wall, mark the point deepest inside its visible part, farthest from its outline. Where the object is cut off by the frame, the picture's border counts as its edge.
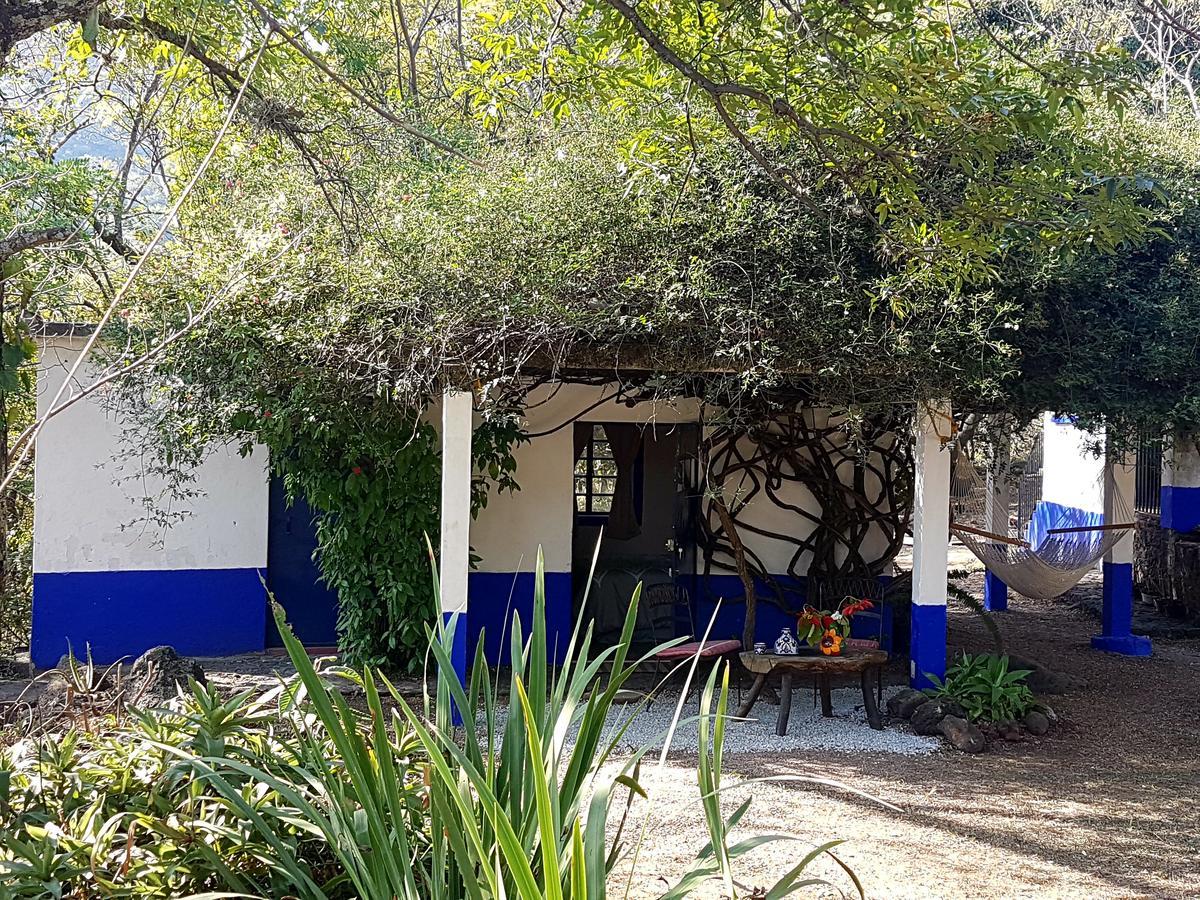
(199, 612)
(1180, 507)
(494, 597)
(769, 619)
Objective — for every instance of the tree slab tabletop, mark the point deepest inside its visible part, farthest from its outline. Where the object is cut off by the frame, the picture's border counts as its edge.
(861, 663)
(847, 664)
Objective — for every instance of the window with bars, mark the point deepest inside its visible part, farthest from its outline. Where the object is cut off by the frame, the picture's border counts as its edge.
(595, 475)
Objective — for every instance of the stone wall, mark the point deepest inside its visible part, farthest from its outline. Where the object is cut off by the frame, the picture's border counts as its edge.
(1172, 584)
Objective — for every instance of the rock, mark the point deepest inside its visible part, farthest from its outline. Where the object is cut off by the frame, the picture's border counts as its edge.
(902, 704)
(963, 735)
(13, 669)
(927, 718)
(1009, 731)
(156, 675)
(1036, 723)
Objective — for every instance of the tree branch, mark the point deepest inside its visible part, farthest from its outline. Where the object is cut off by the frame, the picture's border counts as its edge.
(21, 19)
(27, 240)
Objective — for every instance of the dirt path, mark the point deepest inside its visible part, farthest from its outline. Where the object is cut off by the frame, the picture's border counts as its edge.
(1107, 806)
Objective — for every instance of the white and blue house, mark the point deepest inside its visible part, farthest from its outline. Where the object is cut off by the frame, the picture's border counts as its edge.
(107, 578)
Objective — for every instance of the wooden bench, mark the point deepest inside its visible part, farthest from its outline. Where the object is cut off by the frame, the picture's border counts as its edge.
(864, 663)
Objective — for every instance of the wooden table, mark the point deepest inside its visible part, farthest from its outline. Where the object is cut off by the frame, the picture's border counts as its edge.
(864, 663)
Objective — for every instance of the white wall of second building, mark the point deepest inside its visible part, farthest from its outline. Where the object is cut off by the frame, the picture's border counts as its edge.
(1072, 472)
(90, 503)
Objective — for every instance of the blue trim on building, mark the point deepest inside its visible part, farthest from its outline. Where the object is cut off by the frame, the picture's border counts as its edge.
(769, 619)
(493, 599)
(995, 593)
(1116, 620)
(1180, 509)
(927, 655)
(199, 612)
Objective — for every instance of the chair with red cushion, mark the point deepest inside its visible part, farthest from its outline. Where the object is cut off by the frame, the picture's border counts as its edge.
(669, 613)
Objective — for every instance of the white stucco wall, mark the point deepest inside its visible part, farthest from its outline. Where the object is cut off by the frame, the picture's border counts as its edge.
(507, 533)
(1181, 462)
(1072, 474)
(86, 504)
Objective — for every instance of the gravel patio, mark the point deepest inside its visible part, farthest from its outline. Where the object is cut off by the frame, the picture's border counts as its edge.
(1106, 806)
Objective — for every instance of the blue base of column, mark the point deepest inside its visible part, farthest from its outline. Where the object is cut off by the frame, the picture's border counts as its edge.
(927, 655)
(1125, 644)
(995, 593)
(457, 622)
(1116, 618)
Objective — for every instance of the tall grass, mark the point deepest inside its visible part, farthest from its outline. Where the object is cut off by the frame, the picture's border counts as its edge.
(517, 805)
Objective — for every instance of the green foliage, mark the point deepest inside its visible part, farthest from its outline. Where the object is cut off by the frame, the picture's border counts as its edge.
(130, 810)
(371, 474)
(515, 809)
(986, 688)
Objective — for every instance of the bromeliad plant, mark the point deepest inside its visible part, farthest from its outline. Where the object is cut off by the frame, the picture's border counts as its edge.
(986, 688)
(828, 629)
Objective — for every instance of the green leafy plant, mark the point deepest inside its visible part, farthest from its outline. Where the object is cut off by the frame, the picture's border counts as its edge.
(125, 807)
(519, 805)
(986, 688)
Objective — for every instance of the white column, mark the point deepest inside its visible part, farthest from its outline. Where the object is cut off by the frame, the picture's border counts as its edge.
(931, 542)
(1120, 480)
(455, 545)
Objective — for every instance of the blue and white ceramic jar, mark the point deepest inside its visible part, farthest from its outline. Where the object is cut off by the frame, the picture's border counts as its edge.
(785, 644)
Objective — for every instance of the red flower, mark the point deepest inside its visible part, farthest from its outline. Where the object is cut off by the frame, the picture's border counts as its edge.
(357, 470)
(827, 621)
(267, 414)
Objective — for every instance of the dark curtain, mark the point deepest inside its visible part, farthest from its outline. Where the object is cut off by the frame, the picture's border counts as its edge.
(626, 441)
(583, 434)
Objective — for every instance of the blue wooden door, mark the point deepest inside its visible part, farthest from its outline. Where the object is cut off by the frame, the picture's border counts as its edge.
(293, 576)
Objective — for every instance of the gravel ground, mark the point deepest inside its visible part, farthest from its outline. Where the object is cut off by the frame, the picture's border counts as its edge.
(846, 732)
(1106, 806)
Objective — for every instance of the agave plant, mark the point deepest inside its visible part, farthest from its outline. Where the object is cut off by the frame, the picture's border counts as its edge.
(511, 806)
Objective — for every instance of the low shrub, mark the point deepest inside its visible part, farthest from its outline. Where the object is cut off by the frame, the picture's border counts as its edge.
(986, 688)
(129, 809)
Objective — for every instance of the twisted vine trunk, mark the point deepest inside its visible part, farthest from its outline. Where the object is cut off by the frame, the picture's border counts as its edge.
(743, 570)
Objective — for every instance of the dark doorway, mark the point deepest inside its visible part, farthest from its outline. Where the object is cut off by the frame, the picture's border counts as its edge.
(646, 532)
(292, 574)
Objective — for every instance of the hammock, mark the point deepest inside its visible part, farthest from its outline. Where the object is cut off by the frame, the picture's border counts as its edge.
(1044, 550)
